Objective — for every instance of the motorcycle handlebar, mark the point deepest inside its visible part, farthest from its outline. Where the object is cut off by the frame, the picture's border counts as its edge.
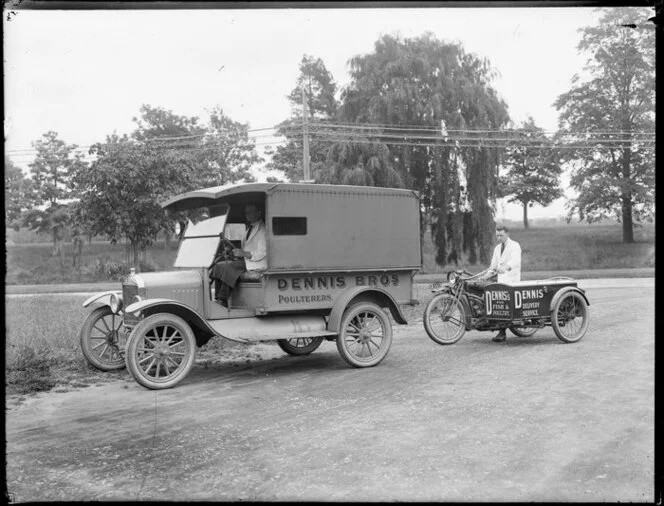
(470, 275)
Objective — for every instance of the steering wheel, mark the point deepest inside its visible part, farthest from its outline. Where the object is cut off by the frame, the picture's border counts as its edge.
(224, 251)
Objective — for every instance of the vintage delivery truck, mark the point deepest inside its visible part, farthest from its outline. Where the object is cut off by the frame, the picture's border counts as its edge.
(339, 259)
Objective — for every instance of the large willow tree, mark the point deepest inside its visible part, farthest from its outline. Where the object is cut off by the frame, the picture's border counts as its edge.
(412, 87)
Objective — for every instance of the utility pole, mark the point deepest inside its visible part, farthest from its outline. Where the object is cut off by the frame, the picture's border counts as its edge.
(305, 135)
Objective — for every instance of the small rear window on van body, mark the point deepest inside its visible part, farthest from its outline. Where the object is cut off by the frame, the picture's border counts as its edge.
(287, 225)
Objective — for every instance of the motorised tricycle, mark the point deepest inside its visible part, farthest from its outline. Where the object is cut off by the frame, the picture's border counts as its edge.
(338, 259)
(522, 307)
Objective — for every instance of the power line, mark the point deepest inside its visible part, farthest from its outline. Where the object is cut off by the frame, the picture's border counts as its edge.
(386, 126)
(353, 132)
(451, 139)
(475, 145)
(397, 142)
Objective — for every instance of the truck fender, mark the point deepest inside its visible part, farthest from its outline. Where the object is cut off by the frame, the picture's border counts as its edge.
(103, 298)
(196, 321)
(560, 293)
(377, 295)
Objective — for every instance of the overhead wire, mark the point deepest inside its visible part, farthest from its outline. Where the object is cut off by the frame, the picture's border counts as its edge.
(336, 132)
(438, 129)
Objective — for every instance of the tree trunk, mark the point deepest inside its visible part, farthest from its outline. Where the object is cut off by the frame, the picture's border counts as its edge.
(440, 203)
(423, 227)
(626, 197)
(135, 251)
(58, 246)
(627, 225)
(525, 215)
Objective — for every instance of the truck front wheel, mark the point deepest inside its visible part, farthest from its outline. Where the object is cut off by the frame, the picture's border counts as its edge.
(103, 339)
(161, 351)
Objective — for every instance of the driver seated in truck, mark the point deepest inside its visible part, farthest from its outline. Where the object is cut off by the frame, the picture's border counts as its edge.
(251, 256)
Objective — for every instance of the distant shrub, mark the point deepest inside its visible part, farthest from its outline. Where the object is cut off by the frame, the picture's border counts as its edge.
(105, 268)
(23, 276)
(149, 264)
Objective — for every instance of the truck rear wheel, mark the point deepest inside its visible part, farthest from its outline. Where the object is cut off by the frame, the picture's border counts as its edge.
(365, 335)
(300, 345)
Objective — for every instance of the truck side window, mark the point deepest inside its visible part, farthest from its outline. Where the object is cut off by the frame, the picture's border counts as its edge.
(289, 225)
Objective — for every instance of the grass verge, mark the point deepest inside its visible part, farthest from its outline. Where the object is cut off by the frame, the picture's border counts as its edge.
(42, 350)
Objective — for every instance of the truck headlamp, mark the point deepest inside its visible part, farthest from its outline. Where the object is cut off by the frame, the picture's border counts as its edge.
(115, 303)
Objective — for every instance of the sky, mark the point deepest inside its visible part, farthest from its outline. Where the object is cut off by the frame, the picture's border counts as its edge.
(85, 74)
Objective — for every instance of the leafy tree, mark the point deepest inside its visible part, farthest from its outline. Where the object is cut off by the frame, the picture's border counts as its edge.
(121, 192)
(606, 120)
(320, 90)
(533, 170)
(273, 179)
(319, 86)
(415, 85)
(52, 171)
(216, 153)
(226, 153)
(160, 123)
(18, 189)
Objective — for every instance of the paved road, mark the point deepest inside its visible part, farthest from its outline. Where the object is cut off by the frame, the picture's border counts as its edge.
(527, 420)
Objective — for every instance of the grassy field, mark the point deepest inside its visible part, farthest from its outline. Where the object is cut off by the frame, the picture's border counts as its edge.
(572, 247)
(34, 263)
(41, 342)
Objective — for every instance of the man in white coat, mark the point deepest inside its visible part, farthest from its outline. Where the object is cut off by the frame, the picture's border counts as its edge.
(506, 260)
(506, 263)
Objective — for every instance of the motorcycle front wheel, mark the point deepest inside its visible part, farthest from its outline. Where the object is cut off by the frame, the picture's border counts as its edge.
(444, 319)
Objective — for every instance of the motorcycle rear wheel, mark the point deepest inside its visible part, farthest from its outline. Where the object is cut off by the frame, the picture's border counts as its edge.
(523, 331)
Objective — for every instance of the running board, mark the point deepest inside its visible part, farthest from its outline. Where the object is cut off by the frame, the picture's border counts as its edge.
(270, 327)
